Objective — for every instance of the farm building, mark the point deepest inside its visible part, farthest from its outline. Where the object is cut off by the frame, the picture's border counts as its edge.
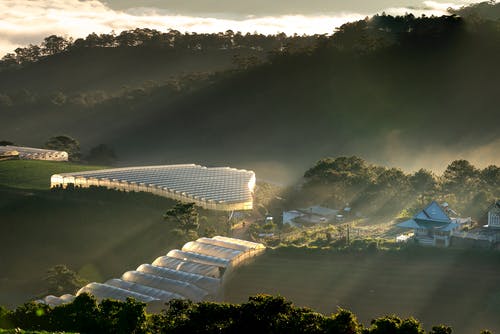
(494, 215)
(30, 153)
(311, 215)
(433, 227)
(218, 188)
(195, 273)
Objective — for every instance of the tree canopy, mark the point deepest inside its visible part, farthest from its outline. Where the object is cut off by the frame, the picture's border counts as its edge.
(261, 314)
(378, 190)
(65, 143)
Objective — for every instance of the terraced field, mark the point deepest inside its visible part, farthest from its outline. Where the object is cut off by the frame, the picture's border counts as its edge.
(459, 288)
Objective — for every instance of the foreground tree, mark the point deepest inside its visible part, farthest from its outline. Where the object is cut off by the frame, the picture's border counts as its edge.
(184, 216)
(60, 280)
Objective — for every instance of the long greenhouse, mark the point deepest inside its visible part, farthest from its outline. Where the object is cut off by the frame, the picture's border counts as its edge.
(31, 153)
(197, 272)
(217, 188)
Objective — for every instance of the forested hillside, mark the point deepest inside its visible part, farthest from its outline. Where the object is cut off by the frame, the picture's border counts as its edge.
(405, 91)
(380, 192)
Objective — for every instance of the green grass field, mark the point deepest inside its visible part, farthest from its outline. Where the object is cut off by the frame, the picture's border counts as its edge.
(31, 174)
(460, 288)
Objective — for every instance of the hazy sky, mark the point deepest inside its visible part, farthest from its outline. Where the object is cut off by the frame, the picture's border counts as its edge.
(28, 21)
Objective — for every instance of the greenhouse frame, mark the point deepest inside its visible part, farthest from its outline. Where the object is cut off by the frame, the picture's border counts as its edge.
(188, 266)
(31, 153)
(197, 274)
(209, 284)
(216, 188)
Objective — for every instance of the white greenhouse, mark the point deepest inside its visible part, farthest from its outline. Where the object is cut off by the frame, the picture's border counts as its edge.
(211, 250)
(201, 258)
(185, 289)
(197, 274)
(209, 284)
(144, 289)
(217, 188)
(188, 266)
(104, 291)
(31, 153)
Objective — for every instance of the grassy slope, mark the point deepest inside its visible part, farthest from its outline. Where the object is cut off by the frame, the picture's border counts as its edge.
(27, 174)
(434, 285)
(99, 233)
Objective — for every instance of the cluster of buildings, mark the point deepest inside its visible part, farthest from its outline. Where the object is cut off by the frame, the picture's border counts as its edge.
(436, 225)
(30, 153)
(195, 272)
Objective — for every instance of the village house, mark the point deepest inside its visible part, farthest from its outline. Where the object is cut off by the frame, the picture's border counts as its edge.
(432, 226)
(494, 215)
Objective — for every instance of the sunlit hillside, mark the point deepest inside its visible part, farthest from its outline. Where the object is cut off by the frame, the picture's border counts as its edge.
(415, 282)
(412, 99)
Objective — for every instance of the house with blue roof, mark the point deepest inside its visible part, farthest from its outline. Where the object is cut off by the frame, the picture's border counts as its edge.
(432, 226)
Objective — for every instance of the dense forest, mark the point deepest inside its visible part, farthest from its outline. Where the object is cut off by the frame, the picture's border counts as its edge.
(378, 191)
(407, 91)
(261, 314)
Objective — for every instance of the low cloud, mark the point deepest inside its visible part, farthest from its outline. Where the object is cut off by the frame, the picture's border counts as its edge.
(28, 21)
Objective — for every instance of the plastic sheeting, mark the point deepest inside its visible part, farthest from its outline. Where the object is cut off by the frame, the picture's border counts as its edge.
(211, 250)
(31, 153)
(143, 289)
(187, 290)
(189, 266)
(253, 245)
(104, 291)
(218, 188)
(52, 300)
(221, 243)
(196, 257)
(209, 284)
(196, 274)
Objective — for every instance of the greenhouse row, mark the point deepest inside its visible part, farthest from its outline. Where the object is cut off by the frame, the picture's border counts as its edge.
(217, 188)
(30, 153)
(197, 272)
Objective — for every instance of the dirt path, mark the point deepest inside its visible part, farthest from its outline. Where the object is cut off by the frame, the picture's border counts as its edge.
(240, 230)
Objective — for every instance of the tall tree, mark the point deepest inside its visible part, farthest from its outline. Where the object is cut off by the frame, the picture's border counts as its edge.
(184, 215)
(60, 280)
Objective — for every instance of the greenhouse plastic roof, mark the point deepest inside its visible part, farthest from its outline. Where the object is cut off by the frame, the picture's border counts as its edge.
(144, 289)
(104, 291)
(185, 289)
(212, 250)
(207, 283)
(31, 153)
(197, 274)
(188, 266)
(197, 257)
(217, 188)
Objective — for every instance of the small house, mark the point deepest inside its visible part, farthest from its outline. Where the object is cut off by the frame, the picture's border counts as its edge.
(494, 215)
(432, 226)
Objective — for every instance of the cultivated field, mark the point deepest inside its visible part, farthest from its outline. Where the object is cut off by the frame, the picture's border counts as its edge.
(460, 288)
